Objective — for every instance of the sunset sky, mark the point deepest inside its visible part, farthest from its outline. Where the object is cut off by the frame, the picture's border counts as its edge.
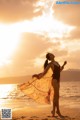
(31, 28)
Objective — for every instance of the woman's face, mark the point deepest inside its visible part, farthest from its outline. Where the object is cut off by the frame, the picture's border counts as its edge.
(51, 56)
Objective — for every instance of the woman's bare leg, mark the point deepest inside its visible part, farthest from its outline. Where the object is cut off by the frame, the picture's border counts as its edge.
(54, 107)
(56, 98)
(57, 105)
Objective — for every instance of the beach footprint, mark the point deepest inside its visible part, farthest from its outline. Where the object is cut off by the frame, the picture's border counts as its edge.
(34, 117)
(49, 116)
(23, 117)
(45, 119)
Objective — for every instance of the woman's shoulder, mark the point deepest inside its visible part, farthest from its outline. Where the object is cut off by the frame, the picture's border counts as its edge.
(53, 63)
(56, 63)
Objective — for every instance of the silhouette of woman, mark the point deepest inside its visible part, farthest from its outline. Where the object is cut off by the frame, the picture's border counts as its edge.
(56, 69)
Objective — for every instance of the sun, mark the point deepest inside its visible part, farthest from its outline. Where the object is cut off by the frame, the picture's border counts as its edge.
(8, 43)
(10, 35)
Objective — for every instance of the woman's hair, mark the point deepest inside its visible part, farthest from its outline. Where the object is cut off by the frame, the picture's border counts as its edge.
(45, 64)
(48, 58)
(46, 61)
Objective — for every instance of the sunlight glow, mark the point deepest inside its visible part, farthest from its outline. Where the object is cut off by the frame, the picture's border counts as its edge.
(70, 45)
(8, 43)
(5, 90)
(50, 26)
(45, 25)
(38, 62)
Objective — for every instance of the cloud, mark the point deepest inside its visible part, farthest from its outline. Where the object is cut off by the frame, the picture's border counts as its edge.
(56, 49)
(33, 47)
(30, 54)
(74, 59)
(18, 10)
(60, 53)
(69, 14)
(75, 34)
(30, 47)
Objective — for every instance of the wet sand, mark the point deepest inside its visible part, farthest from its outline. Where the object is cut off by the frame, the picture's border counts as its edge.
(44, 113)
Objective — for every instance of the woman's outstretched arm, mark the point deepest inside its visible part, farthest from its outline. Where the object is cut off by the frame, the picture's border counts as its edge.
(62, 67)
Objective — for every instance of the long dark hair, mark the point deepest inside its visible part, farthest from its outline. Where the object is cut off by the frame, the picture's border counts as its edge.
(46, 61)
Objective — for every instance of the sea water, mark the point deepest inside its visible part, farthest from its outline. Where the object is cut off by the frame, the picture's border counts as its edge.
(12, 97)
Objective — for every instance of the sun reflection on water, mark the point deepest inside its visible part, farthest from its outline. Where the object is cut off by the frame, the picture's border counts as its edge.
(6, 89)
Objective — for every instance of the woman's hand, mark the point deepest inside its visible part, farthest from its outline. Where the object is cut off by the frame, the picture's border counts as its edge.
(35, 75)
(65, 62)
(38, 76)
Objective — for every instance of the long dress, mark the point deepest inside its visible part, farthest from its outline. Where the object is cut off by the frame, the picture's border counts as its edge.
(40, 90)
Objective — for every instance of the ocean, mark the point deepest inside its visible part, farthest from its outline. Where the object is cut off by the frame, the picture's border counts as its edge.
(11, 97)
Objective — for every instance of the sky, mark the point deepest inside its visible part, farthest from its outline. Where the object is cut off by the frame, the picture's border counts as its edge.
(31, 28)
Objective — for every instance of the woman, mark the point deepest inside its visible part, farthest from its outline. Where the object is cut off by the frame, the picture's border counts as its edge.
(56, 68)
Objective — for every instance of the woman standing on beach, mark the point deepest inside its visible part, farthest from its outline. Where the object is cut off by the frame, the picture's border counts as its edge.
(56, 69)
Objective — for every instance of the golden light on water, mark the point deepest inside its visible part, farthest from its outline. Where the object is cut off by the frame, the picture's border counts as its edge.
(5, 90)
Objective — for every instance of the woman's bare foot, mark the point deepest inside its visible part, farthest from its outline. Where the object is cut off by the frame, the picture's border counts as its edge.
(59, 114)
(53, 113)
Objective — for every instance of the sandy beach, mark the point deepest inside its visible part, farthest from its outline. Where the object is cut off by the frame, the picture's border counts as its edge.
(69, 105)
(44, 113)
(24, 108)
